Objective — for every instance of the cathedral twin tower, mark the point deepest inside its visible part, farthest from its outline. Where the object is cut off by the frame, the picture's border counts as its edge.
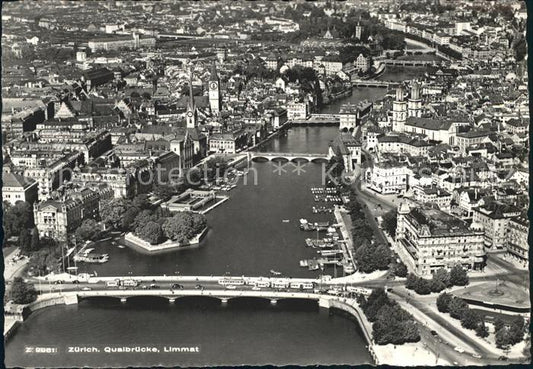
(402, 109)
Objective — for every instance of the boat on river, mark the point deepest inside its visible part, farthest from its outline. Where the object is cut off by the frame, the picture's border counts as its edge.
(305, 225)
(273, 272)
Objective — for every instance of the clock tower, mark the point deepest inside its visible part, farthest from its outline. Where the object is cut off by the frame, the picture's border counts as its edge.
(191, 109)
(214, 91)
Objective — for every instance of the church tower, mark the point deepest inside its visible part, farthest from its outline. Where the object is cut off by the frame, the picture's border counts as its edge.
(214, 91)
(414, 106)
(358, 31)
(191, 108)
(399, 111)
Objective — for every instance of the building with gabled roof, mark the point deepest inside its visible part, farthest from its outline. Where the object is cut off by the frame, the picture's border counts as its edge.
(18, 188)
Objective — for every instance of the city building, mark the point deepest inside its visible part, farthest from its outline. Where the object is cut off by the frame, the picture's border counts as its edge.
(494, 218)
(56, 218)
(428, 239)
(517, 233)
(387, 177)
(347, 147)
(433, 195)
(18, 188)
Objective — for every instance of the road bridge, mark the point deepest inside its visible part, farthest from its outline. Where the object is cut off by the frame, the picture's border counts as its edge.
(318, 119)
(410, 63)
(291, 156)
(373, 83)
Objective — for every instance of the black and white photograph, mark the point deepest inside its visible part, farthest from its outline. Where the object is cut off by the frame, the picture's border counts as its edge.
(229, 183)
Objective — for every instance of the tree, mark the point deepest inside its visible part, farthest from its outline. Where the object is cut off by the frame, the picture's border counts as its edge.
(364, 256)
(481, 329)
(377, 299)
(458, 276)
(141, 202)
(457, 307)
(361, 228)
(183, 226)
(394, 325)
(88, 230)
(163, 191)
(22, 292)
(390, 223)
(142, 218)
(216, 168)
(422, 286)
(128, 217)
(443, 302)
(16, 218)
(517, 329)
(112, 211)
(498, 324)
(503, 338)
(150, 232)
(442, 275)
(400, 270)
(381, 257)
(46, 258)
(411, 281)
(470, 319)
(35, 244)
(436, 285)
(25, 241)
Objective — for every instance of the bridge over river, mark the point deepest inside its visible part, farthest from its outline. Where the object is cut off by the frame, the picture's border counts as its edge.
(325, 298)
(288, 156)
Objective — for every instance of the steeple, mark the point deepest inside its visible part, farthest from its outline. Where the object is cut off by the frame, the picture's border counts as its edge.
(191, 97)
(415, 91)
(213, 72)
(399, 93)
(191, 108)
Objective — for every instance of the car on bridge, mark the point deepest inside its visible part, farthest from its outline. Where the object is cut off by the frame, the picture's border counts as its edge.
(176, 286)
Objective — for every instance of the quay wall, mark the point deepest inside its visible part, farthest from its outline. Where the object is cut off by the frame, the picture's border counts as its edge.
(351, 307)
(165, 246)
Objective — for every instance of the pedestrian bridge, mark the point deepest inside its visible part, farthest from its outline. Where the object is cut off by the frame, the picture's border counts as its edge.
(291, 156)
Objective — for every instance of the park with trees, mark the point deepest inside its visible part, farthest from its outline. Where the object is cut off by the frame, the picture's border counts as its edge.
(152, 224)
(369, 255)
(390, 323)
(440, 280)
(506, 332)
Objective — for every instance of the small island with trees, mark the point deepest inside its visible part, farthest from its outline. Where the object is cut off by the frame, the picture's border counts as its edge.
(153, 228)
(182, 230)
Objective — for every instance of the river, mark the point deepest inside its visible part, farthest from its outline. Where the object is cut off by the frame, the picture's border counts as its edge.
(247, 235)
